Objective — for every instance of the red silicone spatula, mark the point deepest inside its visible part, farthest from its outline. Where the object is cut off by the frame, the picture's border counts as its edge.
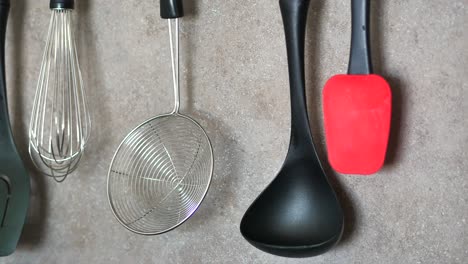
(357, 106)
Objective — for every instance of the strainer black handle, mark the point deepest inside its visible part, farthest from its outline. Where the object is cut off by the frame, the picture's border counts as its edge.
(171, 9)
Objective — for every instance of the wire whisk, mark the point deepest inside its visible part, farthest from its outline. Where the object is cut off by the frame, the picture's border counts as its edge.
(60, 120)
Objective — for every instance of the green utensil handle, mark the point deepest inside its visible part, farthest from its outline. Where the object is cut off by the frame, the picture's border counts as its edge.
(14, 178)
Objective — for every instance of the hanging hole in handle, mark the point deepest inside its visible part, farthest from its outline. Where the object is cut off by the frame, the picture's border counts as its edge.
(5, 194)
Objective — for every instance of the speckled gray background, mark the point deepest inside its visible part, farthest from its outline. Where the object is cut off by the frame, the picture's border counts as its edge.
(234, 64)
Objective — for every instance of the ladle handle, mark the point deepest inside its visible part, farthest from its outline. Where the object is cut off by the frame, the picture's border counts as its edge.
(360, 57)
(171, 9)
(5, 131)
(294, 13)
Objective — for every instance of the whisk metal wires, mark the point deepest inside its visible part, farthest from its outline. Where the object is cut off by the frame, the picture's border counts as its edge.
(161, 171)
(60, 120)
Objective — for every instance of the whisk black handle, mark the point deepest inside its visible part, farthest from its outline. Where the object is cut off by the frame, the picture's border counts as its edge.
(62, 4)
(171, 9)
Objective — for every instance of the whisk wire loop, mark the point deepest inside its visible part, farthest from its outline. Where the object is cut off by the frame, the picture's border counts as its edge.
(60, 121)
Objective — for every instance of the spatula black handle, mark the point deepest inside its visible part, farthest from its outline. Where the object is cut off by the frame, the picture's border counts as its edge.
(62, 4)
(360, 58)
(171, 9)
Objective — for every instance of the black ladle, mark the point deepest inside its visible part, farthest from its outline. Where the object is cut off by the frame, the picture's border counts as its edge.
(298, 215)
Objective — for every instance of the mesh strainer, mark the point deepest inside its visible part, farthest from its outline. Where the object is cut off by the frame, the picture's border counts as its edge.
(161, 171)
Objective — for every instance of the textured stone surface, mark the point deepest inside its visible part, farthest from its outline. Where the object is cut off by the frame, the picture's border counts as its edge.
(235, 82)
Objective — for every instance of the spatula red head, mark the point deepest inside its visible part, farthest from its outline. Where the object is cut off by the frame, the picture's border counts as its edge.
(357, 113)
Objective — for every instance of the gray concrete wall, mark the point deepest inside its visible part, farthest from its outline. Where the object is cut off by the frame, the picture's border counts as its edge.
(235, 82)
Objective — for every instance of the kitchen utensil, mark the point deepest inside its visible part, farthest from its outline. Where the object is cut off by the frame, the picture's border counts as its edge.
(60, 120)
(357, 106)
(298, 214)
(161, 171)
(14, 178)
